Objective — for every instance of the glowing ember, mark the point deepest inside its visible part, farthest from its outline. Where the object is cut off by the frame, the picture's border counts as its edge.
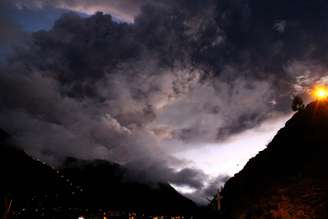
(320, 92)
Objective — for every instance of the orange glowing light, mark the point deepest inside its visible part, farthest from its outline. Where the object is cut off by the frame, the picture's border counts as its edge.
(320, 92)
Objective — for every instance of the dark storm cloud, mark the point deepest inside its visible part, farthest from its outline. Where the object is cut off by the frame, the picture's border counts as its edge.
(273, 33)
(183, 75)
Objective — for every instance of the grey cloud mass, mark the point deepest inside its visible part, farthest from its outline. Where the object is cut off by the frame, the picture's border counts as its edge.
(183, 75)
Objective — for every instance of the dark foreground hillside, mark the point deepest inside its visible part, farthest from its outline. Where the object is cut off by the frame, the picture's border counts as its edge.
(289, 179)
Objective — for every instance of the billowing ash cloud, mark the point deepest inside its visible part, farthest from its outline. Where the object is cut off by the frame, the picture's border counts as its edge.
(183, 75)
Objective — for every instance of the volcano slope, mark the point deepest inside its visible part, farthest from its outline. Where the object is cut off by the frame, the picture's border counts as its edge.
(289, 179)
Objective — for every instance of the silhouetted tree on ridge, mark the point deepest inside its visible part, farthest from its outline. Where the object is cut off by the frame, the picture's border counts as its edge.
(297, 103)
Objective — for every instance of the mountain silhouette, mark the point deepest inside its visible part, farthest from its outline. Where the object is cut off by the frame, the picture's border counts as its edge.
(289, 179)
(79, 186)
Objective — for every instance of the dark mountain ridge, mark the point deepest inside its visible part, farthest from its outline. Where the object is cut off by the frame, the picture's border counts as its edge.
(39, 191)
(289, 179)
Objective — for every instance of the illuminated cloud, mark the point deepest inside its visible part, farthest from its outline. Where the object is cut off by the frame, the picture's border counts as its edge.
(125, 10)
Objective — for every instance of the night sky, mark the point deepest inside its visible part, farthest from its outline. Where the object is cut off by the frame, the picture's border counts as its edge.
(184, 90)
